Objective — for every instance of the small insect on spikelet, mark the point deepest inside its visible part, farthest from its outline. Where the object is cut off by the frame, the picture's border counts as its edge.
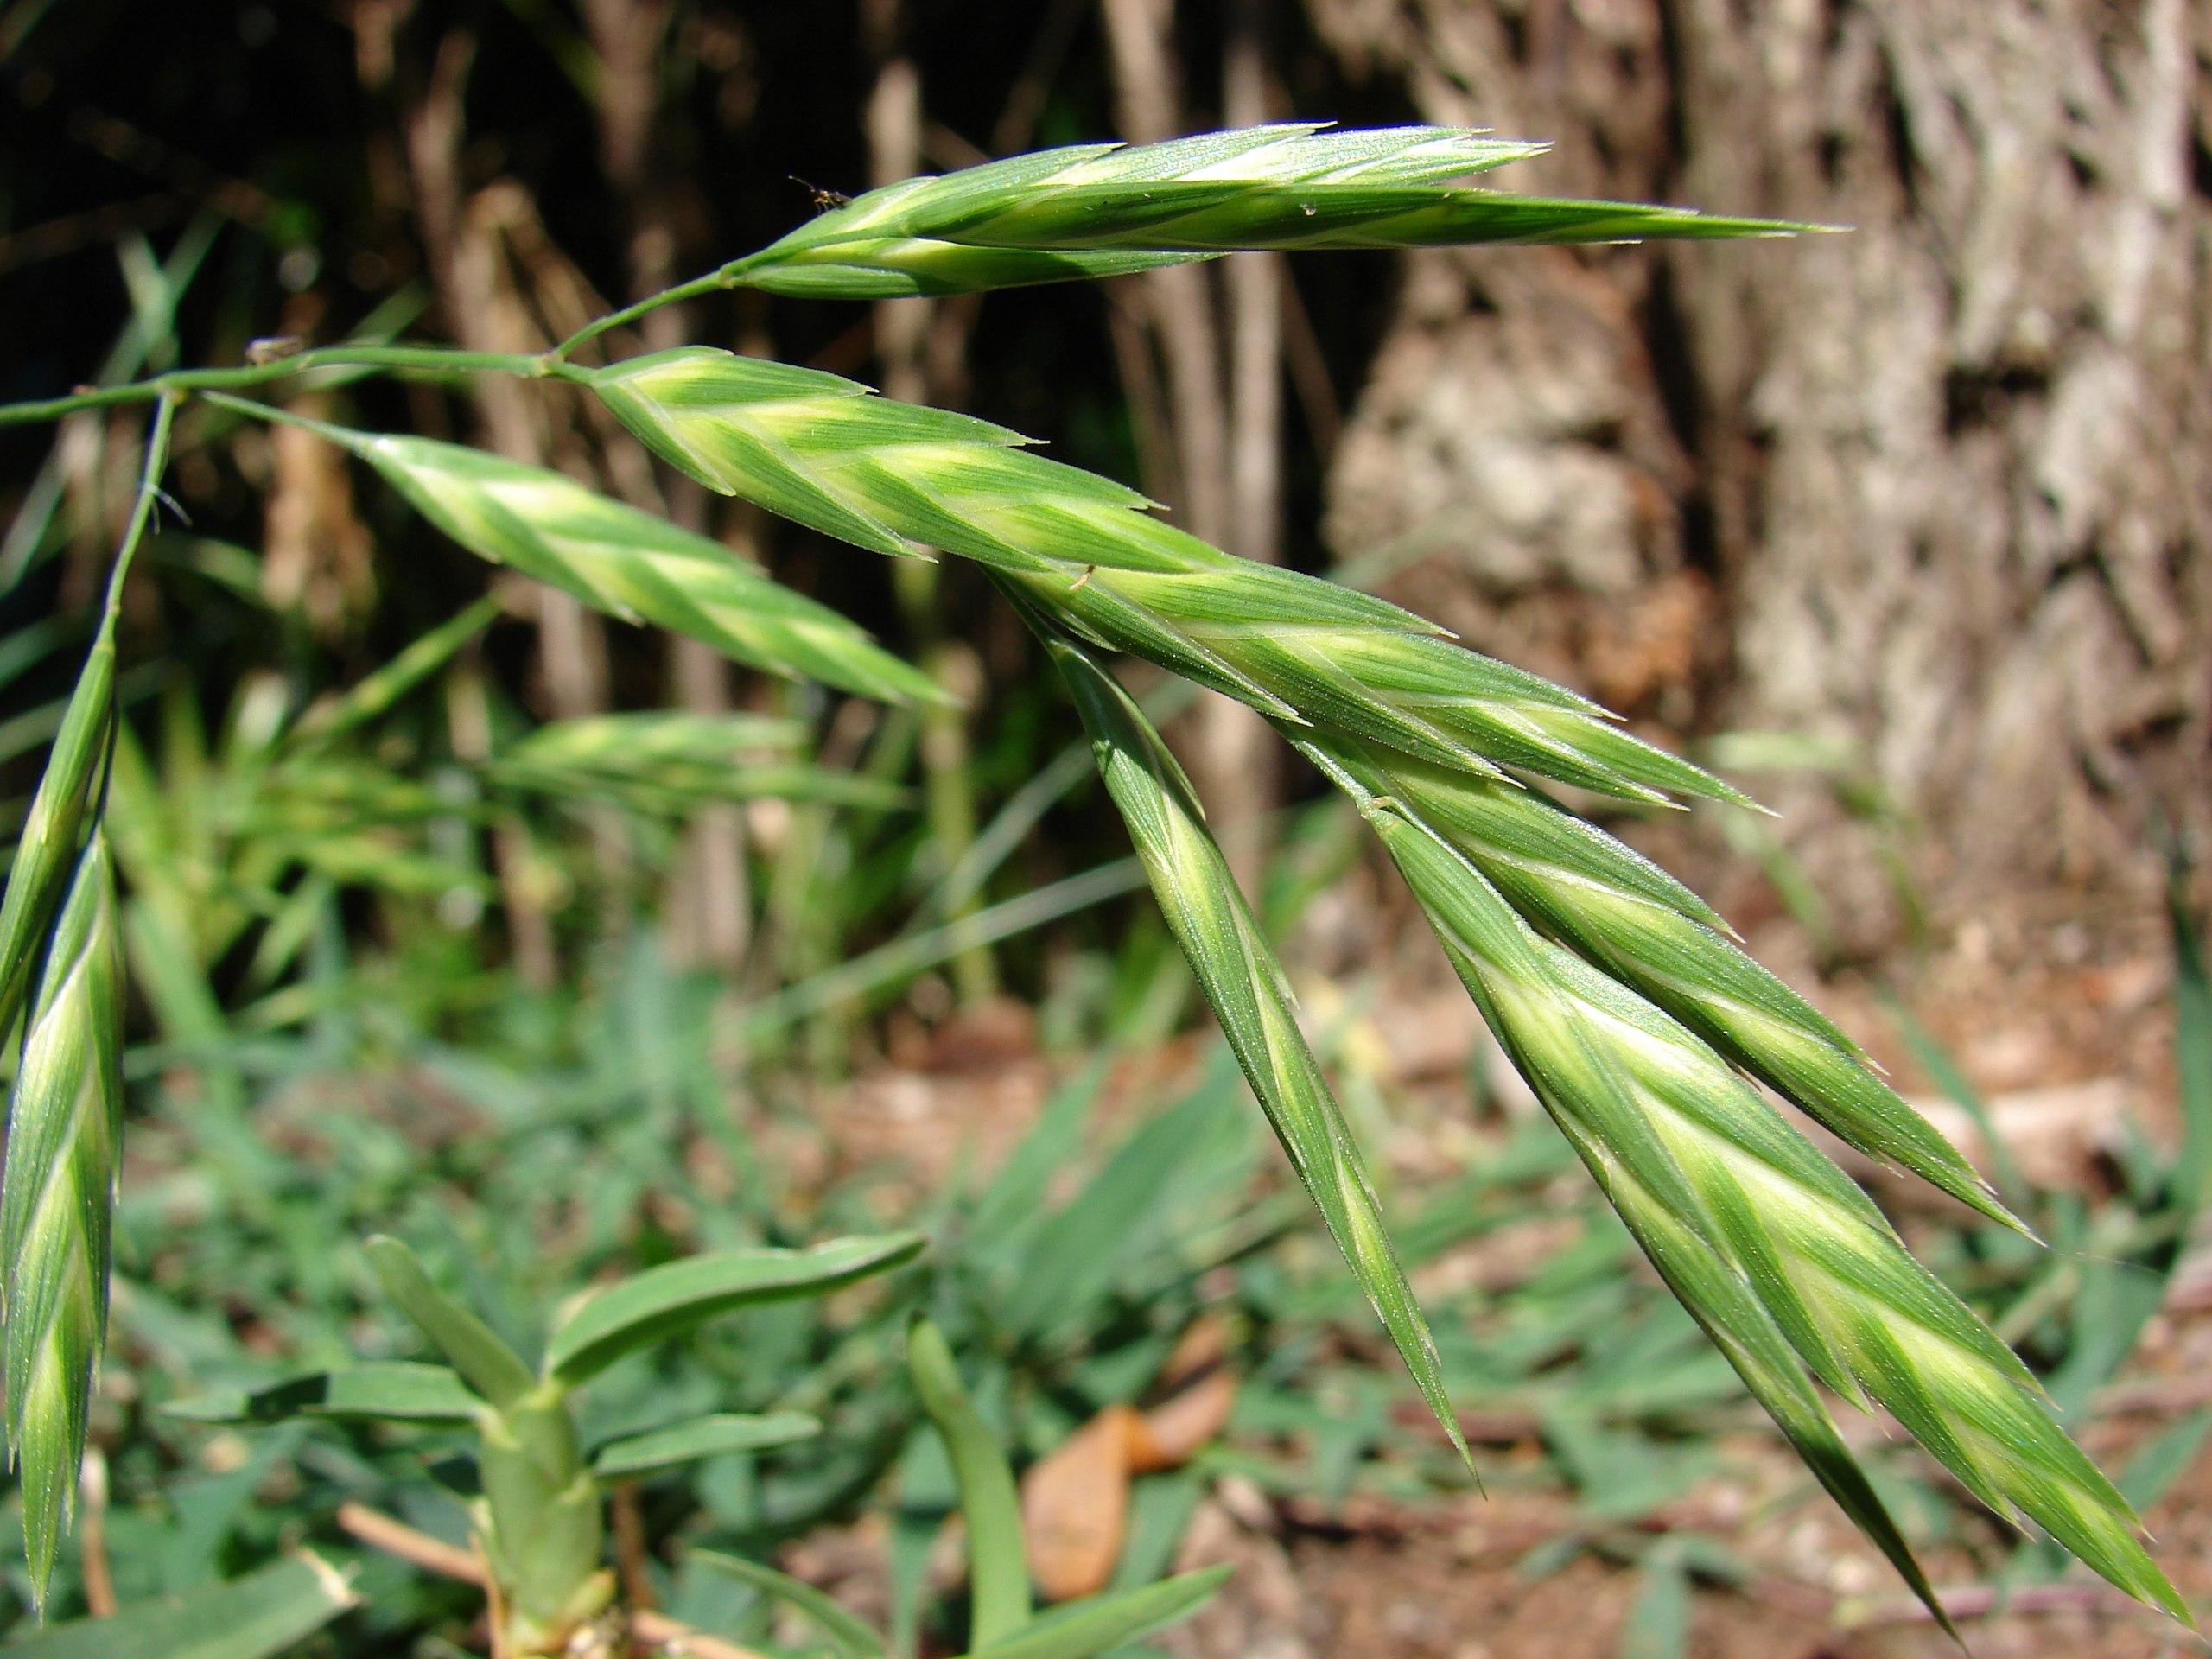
(1246, 988)
(64, 1133)
(901, 480)
(1659, 1116)
(1100, 210)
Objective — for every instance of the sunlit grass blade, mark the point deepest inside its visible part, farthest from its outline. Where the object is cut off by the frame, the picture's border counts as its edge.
(1084, 1629)
(1626, 916)
(492, 1368)
(376, 694)
(1093, 210)
(394, 1391)
(1652, 1105)
(65, 1128)
(998, 1565)
(901, 480)
(635, 1456)
(1250, 997)
(666, 1302)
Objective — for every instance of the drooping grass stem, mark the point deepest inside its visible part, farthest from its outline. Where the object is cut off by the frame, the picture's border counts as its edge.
(407, 359)
(142, 510)
(713, 282)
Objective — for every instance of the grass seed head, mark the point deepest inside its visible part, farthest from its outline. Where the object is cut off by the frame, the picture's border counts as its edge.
(902, 480)
(1250, 996)
(633, 565)
(56, 1195)
(1099, 210)
(1662, 1117)
(1625, 916)
(53, 828)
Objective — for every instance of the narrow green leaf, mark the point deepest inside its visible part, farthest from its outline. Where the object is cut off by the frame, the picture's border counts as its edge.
(637, 1455)
(1658, 1625)
(395, 1391)
(1082, 1629)
(848, 1634)
(378, 693)
(1070, 1257)
(665, 1301)
(258, 1616)
(998, 1564)
(492, 1369)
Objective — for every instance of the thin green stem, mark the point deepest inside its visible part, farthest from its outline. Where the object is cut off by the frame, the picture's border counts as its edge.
(141, 511)
(413, 359)
(713, 282)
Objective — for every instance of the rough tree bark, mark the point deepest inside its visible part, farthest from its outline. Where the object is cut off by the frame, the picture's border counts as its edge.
(1938, 487)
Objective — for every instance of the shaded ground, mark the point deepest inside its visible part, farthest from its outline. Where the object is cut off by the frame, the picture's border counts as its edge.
(2072, 1054)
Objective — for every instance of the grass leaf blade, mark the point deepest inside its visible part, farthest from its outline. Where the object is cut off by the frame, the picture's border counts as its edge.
(391, 1391)
(847, 1633)
(637, 1455)
(665, 1302)
(998, 1565)
(492, 1369)
(257, 1617)
(1082, 1629)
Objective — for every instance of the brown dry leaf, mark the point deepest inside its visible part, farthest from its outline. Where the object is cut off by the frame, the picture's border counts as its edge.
(1075, 1503)
(1075, 1506)
(1173, 1432)
(1203, 1346)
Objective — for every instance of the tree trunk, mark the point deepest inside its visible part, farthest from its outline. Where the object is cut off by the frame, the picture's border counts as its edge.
(1936, 489)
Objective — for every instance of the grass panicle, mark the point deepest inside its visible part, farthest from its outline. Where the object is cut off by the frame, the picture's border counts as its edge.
(1105, 209)
(902, 480)
(1661, 1116)
(1780, 1255)
(1619, 994)
(64, 1127)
